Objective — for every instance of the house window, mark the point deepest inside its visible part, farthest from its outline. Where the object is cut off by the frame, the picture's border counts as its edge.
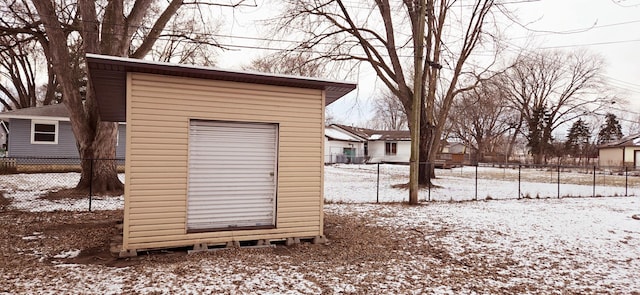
(44, 132)
(390, 148)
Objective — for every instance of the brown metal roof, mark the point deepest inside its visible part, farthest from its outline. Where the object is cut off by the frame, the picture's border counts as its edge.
(108, 75)
(54, 111)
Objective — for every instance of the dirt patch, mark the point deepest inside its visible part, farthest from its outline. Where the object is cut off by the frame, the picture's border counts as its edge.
(73, 194)
(36, 237)
(406, 186)
(68, 193)
(47, 234)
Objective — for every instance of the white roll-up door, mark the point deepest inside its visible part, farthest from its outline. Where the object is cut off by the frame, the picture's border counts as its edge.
(232, 175)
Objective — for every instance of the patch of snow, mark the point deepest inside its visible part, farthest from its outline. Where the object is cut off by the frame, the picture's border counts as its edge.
(68, 254)
(34, 236)
(25, 192)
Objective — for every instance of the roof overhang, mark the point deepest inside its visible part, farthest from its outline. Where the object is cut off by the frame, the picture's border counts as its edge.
(44, 118)
(108, 75)
(54, 112)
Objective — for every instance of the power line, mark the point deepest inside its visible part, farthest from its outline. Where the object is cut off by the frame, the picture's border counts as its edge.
(591, 44)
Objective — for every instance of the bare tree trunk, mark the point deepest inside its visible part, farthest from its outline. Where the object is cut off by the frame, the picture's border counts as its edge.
(427, 167)
(418, 101)
(99, 166)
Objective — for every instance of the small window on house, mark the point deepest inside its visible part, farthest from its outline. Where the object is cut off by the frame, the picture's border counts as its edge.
(390, 148)
(44, 132)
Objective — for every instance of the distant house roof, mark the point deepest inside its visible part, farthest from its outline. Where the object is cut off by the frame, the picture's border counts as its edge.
(400, 135)
(50, 112)
(373, 135)
(109, 77)
(363, 133)
(631, 140)
(336, 134)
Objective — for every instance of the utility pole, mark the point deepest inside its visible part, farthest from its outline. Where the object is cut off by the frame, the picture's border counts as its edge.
(418, 57)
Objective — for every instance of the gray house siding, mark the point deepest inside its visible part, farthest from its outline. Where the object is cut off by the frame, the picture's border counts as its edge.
(20, 145)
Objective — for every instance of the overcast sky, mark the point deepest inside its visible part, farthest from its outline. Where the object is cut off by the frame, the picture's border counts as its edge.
(607, 27)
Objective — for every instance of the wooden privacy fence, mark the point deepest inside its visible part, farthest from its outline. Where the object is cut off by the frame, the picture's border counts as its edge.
(7, 165)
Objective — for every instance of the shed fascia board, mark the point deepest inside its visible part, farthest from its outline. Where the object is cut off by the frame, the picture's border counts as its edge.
(108, 74)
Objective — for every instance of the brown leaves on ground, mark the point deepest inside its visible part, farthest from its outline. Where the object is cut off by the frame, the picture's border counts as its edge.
(361, 254)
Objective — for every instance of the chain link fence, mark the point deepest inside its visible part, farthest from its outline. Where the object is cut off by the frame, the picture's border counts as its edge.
(389, 182)
(49, 184)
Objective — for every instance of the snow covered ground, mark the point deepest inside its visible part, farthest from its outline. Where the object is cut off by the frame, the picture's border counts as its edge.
(502, 246)
(25, 192)
(359, 183)
(550, 246)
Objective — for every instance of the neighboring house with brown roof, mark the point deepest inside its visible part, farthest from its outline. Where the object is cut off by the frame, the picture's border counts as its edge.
(381, 146)
(619, 153)
(45, 132)
(341, 146)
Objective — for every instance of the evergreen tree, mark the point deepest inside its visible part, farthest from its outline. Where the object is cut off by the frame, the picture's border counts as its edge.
(577, 142)
(539, 137)
(611, 130)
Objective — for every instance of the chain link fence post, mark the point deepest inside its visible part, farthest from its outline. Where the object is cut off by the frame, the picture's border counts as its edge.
(429, 178)
(626, 181)
(558, 181)
(476, 181)
(90, 184)
(594, 181)
(378, 186)
(519, 177)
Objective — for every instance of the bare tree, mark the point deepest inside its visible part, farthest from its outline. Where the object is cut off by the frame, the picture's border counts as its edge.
(186, 40)
(552, 88)
(20, 66)
(407, 44)
(66, 31)
(389, 113)
(290, 63)
(481, 118)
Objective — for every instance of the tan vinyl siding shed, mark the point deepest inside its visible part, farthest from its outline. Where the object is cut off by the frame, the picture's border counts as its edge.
(216, 157)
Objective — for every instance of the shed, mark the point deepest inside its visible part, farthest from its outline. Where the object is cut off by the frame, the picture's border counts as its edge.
(214, 156)
(624, 152)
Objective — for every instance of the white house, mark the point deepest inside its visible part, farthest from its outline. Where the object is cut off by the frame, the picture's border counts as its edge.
(341, 146)
(389, 146)
(381, 146)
